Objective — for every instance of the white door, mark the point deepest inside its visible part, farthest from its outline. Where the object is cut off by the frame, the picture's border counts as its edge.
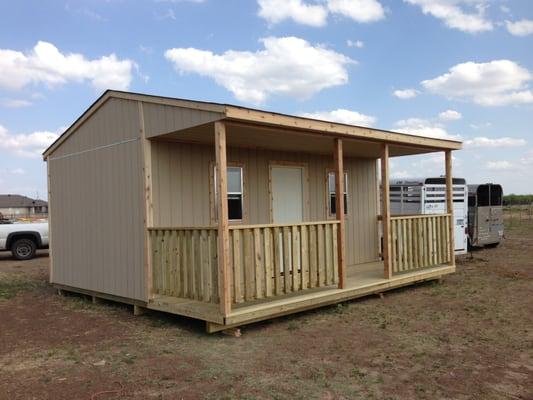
(459, 235)
(287, 194)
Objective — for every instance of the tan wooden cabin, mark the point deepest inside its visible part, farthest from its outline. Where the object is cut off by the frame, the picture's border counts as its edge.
(229, 214)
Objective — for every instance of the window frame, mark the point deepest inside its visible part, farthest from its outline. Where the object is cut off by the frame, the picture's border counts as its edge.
(331, 215)
(213, 193)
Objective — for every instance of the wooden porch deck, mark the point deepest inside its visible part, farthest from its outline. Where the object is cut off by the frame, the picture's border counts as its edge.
(362, 280)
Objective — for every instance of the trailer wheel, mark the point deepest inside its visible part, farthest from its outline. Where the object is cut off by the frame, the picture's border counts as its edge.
(23, 249)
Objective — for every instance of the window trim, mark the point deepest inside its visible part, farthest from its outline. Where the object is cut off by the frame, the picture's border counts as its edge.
(212, 193)
(329, 214)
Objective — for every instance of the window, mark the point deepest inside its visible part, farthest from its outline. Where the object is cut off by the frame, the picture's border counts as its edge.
(332, 196)
(235, 193)
(495, 195)
(483, 196)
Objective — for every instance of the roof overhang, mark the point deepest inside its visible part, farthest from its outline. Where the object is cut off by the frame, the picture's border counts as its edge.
(259, 120)
(335, 129)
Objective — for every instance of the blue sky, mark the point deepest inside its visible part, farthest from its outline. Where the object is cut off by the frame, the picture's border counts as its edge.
(458, 69)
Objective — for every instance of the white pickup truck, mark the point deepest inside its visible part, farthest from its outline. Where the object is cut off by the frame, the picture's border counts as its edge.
(23, 239)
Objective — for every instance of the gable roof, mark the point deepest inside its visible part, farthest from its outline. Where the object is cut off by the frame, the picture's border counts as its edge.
(262, 117)
(17, 200)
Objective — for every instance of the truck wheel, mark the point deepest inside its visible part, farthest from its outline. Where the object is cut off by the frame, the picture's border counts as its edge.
(23, 249)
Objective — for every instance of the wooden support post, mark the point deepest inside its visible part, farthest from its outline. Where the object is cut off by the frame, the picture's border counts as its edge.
(146, 154)
(223, 228)
(339, 207)
(138, 310)
(449, 204)
(235, 332)
(385, 211)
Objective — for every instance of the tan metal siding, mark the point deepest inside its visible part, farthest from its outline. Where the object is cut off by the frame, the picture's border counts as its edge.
(159, 119)
(181, 190)
(97, 204)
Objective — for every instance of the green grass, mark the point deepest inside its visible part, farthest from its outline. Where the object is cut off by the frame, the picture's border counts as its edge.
(11, 286)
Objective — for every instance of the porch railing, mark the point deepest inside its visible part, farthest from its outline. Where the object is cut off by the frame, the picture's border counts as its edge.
(184, 262)
(265, 260)
(419, 241)
(272, 260)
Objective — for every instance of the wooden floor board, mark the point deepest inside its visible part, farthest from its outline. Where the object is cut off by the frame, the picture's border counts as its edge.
(362, 280)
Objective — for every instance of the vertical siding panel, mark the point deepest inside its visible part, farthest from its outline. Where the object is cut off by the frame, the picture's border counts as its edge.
(188, 201)
(98, 224)
(155, 183)
(196, 187)
(350, 225)
(138, 278)
(203, 183)
(353, 212)
(261, 176)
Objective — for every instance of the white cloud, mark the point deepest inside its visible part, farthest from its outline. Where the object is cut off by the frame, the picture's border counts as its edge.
(498, 165)
(423, 127)
(26, 144)
(85, 12)
(146, 49)
(505, 9)
(17, 171)
(275, 11)
(523, 27)
(406, 93)
(482, 141)
(46, 64)
(358, 10)
(355, 43)
(528, 159)
(495, 83)
(343, 116)
(402, 174)
(450, 115)
(15, 103)
(168, 14)
(287, 66)
(316, 14)
(483, 125)
(453, 14)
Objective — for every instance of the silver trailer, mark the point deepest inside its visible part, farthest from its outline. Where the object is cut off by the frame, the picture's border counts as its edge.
(428, 196)
(485, 214)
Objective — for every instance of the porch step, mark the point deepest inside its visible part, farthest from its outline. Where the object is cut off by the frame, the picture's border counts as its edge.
(187, 307)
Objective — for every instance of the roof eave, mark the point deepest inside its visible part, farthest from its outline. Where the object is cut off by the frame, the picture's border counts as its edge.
(337, 129)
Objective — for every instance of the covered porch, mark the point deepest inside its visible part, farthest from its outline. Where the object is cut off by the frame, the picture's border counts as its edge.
(231, 273)
(362, 280)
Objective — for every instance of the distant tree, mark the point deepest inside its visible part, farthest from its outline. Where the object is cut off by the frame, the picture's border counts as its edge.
(513, 199)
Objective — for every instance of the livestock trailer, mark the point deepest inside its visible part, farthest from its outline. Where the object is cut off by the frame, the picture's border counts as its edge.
(230, 214)
(428, 196)
(485, 214)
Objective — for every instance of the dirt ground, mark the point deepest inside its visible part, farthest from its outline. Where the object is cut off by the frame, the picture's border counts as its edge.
(469, 337)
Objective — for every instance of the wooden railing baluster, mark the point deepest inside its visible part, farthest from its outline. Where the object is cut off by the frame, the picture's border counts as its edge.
(419, 241)
(264, 261)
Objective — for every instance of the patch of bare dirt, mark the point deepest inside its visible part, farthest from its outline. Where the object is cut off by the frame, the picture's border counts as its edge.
(470, 337)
